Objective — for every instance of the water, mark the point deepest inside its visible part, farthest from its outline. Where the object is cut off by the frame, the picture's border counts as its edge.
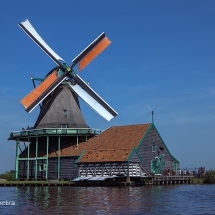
(169, 199)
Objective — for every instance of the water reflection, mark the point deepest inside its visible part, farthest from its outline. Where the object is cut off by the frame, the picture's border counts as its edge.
(172, 199)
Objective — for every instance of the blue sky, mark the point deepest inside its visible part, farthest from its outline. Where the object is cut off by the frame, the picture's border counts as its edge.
(162, 54)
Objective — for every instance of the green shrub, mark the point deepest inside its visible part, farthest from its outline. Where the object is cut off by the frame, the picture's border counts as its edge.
(209, 177)
(10, 176)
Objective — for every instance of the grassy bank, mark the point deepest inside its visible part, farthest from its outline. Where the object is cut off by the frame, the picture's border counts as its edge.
(209, 177)
(197, 181)
(35, 182)
(9, 178)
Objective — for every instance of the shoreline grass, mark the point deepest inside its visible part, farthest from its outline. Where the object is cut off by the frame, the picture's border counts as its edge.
(36, 182)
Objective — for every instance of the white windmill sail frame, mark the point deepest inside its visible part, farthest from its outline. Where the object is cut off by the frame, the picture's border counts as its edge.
(87, 47)
(30, 31)
(92, 102)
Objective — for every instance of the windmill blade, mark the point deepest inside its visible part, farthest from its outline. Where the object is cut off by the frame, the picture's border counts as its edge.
(37, 95)
(155, 108)
(150, 108)
(93, 99)
(32, 33)
(92, 51)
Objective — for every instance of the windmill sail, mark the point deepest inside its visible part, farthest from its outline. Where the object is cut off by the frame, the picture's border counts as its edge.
(92, 51)
(37, 95)
(53, 80)
(32, 33)
(93, 99)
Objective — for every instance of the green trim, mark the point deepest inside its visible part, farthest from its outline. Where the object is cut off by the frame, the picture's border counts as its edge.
(47, 155)
(134, 150)
(38, 79)
(152, 167)
(153, 148)
(24, 134)
(58, 160)
(36, 157)
(80, 156)
(77, 141)
(165, 144)
(28, 164)
(17, 160)
(129, 156)
(30, 159)
(144, 136)
(139, 156)
(45, 158)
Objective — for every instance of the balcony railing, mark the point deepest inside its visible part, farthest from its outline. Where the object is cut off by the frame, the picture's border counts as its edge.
(54, 131)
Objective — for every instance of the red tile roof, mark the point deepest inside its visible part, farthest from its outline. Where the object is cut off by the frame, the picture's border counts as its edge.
(94, 156)
(101, 148)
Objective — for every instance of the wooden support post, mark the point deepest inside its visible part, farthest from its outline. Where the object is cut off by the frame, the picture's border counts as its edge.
(17, 161)
(128, 175)
(36, 158)
(58, 166)
(77, 142)
(47, 156)
(128, 180)
(28, 158)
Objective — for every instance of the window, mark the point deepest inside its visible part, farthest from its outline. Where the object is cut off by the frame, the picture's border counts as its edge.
(153, 148)
(41, 167)
(64, 126)
(65, 113)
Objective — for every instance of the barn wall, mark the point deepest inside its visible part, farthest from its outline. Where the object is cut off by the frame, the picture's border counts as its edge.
(134, 157)
(52, 168)
(23, 170)
(109, 169)
(147, 155)
(67, 169)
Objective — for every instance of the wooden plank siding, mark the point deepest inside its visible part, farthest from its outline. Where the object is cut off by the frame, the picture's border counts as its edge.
(147, 155)
(134, 157)
(68, 170)
(32, 165)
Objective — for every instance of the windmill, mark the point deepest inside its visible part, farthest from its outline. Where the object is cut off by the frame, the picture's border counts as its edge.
(64, 74)
(152, 112)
